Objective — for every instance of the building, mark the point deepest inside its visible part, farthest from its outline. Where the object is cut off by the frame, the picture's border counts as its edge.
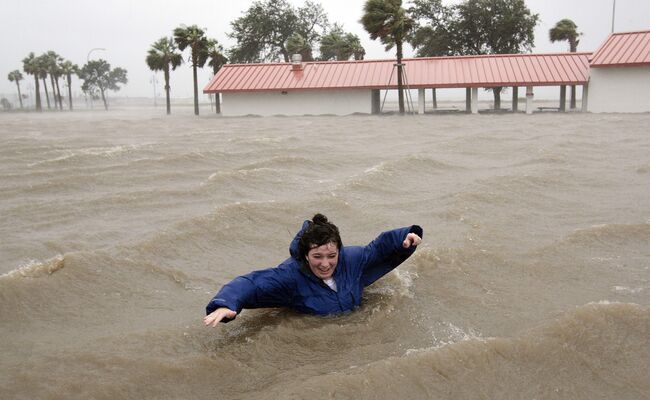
(620, 74)
(347, 87)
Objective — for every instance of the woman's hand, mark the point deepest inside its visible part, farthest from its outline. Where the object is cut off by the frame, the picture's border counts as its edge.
(412, 239)
(217, 315)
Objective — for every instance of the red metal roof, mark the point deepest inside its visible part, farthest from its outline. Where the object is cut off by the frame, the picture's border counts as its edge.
(624, 49)
(435, 72)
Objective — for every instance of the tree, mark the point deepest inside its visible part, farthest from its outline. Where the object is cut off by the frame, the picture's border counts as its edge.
(161, 57)
(432, 34)
(67, 69)
(388, 21)
(566, 30)
(296, 44)
(98, 75)
(217, 60)
(42, 65)
(339, 45)
(472, 27)
(265, 29)
(194, 38)
(494, 27)
(52, 61)
(30, 66)
(16, 76)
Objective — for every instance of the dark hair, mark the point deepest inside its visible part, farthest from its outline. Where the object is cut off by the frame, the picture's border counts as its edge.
(319, 232)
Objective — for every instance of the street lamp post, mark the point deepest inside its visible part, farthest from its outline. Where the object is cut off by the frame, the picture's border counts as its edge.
(91, 50)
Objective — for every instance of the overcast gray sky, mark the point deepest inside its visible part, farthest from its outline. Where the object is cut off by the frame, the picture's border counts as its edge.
(127, 28)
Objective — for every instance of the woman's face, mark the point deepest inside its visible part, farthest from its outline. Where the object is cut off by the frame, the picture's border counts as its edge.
(323, 259)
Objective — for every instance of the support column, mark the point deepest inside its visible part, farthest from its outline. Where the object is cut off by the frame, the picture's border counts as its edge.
(515, 99)
(375, 101)
(474, 100)
(435, 98)
(468, 100)
(421, 101)
(529, 99)
(563, 98)
(585, 97)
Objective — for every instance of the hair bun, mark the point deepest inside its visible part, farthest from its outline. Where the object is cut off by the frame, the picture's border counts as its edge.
(319, 219)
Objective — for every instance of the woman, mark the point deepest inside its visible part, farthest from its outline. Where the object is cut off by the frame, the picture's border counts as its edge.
(321, 277)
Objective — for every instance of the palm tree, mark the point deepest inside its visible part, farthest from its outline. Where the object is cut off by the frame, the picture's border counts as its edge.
(67, 69)
(566, 30)
(387, 20)
(217, 60)
(42, 63)
(194, 38)
(161, 56)
(30, 66)
(16, 76)
(54, 69)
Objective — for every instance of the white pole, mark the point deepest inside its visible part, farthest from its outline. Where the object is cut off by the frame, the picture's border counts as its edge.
(420, 101)
(613, 14)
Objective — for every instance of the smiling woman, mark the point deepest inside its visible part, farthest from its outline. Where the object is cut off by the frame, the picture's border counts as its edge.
(321, 276)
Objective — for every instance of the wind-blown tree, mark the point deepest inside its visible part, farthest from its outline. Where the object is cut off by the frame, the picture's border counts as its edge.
(472, 27)
(263, 32)
(67, 69)
(494, 27)
(194, 38)
(388, 21)
(216, 61)
(162, 56)
(566, 29)
(30, 66)
(432, 33)
(296, 44)
(53, 61)
(98, 75)
(42, 64)
(16, 76)
(339, 45)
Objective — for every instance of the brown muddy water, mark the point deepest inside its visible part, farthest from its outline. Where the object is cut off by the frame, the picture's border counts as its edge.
(118, 227)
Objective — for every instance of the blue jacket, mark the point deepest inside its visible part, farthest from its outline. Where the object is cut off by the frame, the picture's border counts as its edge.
(292, 284)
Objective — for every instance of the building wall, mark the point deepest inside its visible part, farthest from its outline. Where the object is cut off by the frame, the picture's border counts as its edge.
(619, 89)
(312, 102)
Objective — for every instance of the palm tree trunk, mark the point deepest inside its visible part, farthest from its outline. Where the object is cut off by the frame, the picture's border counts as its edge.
(400, 88)
(20, 97)
(58, 93)
(169, 107)
(104, 99)
(47, 96)
(196, 91)
(56, 101)
(70, 90)
(37, 97)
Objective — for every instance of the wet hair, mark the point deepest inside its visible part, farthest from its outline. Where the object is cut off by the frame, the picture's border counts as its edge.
(319, 232)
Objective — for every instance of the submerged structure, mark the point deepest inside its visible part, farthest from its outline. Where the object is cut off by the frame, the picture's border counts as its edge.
(347, 87)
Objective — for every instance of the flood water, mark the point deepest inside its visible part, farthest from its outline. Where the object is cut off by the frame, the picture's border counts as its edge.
(118, 227)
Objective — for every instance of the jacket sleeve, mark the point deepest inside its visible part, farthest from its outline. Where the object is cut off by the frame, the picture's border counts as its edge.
(271, 287)
(294, 247)
(386, 252)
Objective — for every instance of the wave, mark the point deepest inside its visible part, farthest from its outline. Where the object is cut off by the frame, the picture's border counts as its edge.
(610, 234)
(596, 351)
(36, 269)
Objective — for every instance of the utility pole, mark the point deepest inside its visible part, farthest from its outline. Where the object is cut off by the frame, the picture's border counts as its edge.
(613, 14)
